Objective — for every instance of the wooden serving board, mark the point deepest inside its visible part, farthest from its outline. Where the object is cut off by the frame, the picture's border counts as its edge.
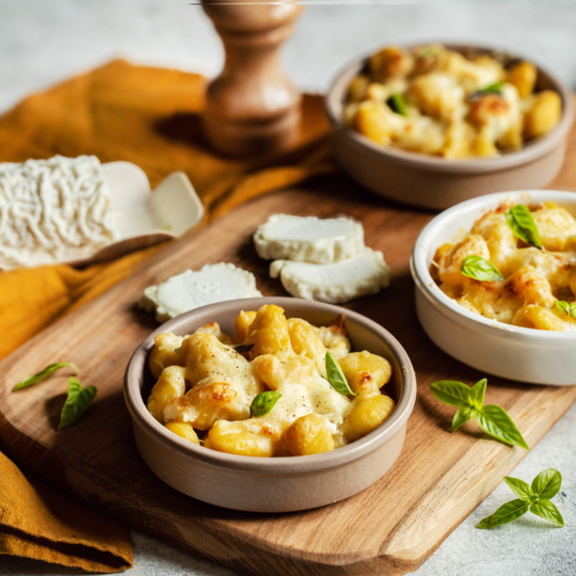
(390, 528)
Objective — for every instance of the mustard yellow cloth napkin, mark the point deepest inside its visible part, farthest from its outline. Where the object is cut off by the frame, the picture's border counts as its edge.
(36, 522)
(150, 117)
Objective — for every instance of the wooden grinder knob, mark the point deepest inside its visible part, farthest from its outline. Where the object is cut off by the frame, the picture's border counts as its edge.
(252, 107)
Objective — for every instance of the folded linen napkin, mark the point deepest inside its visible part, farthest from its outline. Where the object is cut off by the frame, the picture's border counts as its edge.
(150, 117)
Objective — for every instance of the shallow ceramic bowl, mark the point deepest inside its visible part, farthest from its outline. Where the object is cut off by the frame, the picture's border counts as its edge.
(272, 484)
(513, 352)
(437, 183)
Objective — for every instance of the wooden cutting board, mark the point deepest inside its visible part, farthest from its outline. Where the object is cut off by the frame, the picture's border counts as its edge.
(390, 528)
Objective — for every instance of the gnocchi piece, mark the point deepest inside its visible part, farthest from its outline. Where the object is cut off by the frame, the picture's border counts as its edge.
(366, 414)
(534, 316)
(373, 119)
(390, 62)
(214, 329)
(246, 438)
(242, 324)
(366, 373)
(543, 115)
(523, 76)
(269, 332)
(184, 430)
(166, 352)
(304, 339)
(170, 385)
(309, 434)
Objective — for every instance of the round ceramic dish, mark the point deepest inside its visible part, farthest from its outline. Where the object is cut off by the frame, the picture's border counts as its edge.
(513, 352)
(432, 182)
(272, 484)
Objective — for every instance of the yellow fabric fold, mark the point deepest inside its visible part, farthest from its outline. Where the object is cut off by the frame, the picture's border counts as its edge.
(150, 117)
(38, 523)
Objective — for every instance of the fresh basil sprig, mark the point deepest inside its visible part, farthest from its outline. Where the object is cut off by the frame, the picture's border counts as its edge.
(491, 418)
(495, 88)
(397, 104)
(264, 402)
(520, 221)
(567, 308)
(480, 269)
(535, 498)
(76, 403)
(31, 380)
(336, 377)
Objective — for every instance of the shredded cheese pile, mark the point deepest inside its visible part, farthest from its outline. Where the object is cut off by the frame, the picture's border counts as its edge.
(53, 211)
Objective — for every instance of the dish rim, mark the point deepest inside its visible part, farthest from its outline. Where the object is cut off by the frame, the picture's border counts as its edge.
(277, 465)
(529, 152)
(420, 262)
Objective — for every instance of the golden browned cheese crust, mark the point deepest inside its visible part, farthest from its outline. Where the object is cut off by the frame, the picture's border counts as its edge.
(536, 282)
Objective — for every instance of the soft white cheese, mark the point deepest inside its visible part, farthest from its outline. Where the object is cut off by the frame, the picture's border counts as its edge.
(309, 239)
(52, 211)
(339, 282)
(189, 290)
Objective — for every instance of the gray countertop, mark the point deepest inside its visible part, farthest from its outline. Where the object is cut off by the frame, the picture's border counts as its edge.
(43, 43)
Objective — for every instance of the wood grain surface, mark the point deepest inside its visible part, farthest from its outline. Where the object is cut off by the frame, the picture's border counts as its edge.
(390, 528)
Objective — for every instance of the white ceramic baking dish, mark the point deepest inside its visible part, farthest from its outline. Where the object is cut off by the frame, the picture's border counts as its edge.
(516, 353)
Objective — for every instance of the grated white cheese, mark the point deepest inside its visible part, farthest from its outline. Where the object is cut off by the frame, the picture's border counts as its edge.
(53, 211)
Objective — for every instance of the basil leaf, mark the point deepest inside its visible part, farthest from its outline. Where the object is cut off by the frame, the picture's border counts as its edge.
(427, 51)
(495, 421)
(31, 380)
(480, 269)
(547, 484)
(461, 417)
(336, 377)
(76, 403)
(477, 392)
(495, 88)
(264, 402)
(547, 510)
(397, 104)
(519, 487)
(522, 224)
(451, 392)
(568, 309)
(563, 307)
(506, 513)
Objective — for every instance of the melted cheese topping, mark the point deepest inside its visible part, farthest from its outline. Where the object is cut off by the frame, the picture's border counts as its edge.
(285, 356)
(454, 107)
(535, 280)
(52, 211)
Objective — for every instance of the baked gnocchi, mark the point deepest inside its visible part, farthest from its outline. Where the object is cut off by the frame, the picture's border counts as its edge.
(537, 288)
(433, 100)
(267, 392)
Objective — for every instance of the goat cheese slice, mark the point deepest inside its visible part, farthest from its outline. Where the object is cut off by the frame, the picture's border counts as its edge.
(339, 282)
(309, 239)
(189, 290)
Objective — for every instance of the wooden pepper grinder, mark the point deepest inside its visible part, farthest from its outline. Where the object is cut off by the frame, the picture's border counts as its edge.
(252, 107)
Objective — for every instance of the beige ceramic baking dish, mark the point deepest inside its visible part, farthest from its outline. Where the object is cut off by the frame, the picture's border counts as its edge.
(272, 484)
(432, 182)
